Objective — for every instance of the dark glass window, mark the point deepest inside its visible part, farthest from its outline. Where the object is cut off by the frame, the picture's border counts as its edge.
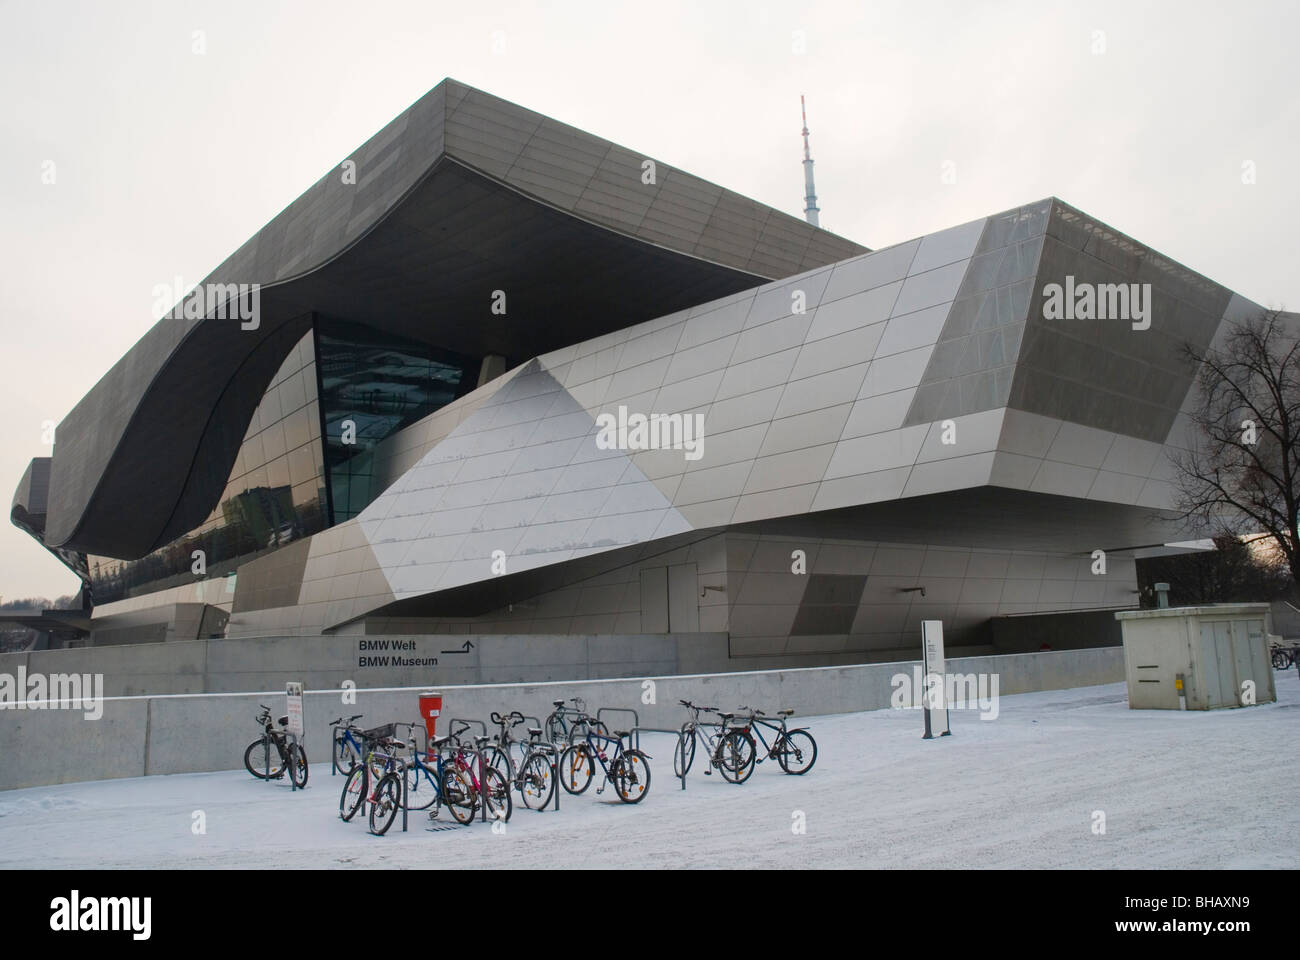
(275, 494)
(372, 385)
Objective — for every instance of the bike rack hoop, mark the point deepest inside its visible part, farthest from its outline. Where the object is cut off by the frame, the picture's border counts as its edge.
(638, 730)
(636, 719)
(483, 731)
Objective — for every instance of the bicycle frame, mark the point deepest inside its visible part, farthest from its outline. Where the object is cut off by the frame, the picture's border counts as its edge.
(273, 736)
(595, 753)
(358, 747)
(709, 741)
(754, 724)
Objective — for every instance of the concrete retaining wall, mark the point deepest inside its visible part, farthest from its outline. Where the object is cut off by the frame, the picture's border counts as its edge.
(139, 736)
(324, 662)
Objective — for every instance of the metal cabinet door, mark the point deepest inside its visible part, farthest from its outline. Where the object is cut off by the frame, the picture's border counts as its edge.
(1218, 678)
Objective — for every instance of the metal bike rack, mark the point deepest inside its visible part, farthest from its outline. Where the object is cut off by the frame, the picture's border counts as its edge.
(473, 723)
(637, 731)
(266, 756)
(636, 719)
(289, 773)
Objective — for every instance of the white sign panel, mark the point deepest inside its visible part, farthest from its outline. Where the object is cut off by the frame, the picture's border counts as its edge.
(934, 676)
(293, 698)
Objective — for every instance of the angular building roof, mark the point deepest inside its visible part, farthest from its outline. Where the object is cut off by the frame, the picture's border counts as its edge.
(461, 195)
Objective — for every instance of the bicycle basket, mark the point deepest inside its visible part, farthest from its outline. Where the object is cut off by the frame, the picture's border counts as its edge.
(381, 732)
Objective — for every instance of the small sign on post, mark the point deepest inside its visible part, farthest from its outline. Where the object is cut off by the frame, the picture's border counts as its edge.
(933, 680)
(293, 699)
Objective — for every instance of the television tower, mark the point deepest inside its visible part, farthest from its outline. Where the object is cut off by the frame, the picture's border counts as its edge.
(811, 211)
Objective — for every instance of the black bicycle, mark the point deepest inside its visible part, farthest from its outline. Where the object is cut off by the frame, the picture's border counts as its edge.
(795, 750)
(272, 754)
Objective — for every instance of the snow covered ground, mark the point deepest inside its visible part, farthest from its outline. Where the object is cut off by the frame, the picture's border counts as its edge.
(1215, 789)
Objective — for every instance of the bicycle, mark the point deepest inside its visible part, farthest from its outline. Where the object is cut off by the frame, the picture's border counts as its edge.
(536, 779)
(430, 779)
(558, 730)
(627, 769)
(387, 772)
(292, 757)
(493, 789)
(693, 730)
(795, 750)
(501, 754)
(348, 748)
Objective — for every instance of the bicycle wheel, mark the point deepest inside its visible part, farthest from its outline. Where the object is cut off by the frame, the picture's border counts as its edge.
(500, 761)
(1281, 660)
(355, 789)
(497, 788)
(345, 754)
(385, 804)
(537, 782)
(297, 763)
(262, 756)
(631, 777)
(736, 756)
(458, 794)
(576, 768)
(684, 753)
(421, 790)
(796, 751)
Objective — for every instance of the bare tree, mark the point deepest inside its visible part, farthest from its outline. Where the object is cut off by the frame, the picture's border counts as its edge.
(1240, 475)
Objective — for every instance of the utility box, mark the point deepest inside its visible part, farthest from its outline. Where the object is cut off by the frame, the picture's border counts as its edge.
(1197, 658)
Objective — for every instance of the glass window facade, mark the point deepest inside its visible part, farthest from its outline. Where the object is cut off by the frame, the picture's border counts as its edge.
(276, 492)
(371, 386)
(346, 382)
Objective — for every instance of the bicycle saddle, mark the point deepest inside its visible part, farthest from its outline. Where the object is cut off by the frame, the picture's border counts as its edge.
(785, 713)
(557, 703)
(439, 742)
(622, 733)
(534, 732)
(284, 721)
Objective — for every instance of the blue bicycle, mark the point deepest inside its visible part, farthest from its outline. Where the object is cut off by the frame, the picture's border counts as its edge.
(349, 742)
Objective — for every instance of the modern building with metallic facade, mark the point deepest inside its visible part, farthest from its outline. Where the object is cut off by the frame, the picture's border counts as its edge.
(407, 438)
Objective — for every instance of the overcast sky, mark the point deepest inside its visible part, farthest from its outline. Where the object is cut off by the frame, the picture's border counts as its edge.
(165, 159)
